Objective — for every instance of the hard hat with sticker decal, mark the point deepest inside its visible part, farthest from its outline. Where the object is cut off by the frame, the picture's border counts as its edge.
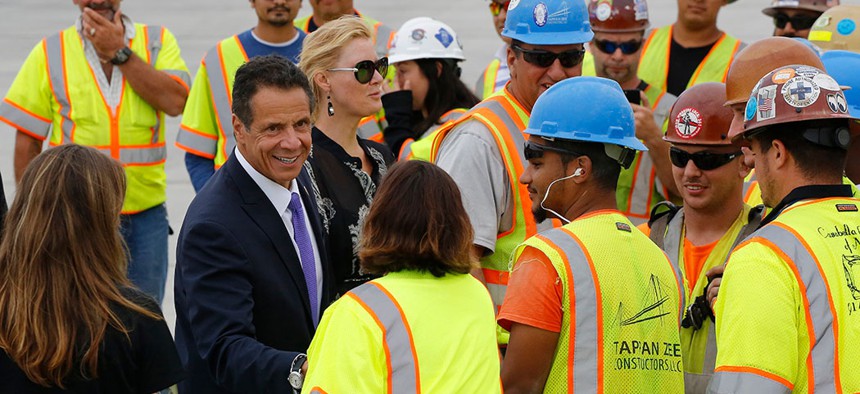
(618, 16)
(425, 38)
(548, 22)
(837, 29)
(777, 6)
(810, 94)
(699, 118)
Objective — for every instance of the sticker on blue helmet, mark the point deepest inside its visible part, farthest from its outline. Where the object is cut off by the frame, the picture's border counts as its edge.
(540, 14)
(846, 27)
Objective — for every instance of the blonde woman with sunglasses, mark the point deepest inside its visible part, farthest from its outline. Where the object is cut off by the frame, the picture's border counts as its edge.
(347, 76)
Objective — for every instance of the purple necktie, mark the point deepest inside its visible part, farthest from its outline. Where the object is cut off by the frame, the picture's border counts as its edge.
(306, 252)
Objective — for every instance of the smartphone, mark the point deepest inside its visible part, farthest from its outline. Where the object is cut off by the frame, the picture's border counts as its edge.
(633, 96)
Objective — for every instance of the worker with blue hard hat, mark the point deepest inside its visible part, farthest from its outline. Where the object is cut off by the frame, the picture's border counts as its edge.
(843, 66)
(483, 150)
(584, 298)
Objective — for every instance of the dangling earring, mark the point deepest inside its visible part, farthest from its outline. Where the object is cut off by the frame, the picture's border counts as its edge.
(330, 107)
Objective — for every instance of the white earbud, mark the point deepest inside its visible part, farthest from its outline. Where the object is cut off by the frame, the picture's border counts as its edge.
(578, 172)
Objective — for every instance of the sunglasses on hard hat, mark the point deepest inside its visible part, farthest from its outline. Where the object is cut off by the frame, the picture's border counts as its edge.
(798, 22)
(609, 47)
(545, 59)
(535, 151)
(364, 69)
(703, 160)
(496, 7)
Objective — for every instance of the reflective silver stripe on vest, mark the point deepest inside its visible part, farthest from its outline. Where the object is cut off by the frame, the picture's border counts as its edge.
(154, 44)
(748, 183)
(671, 245)
(403, 362)
(640, 196)
(737, 382)
(182, 75)
(383, 34)
(220, 97)
(509, 123)
(24, 120)
(139, 155)
(54, 50)
(197, 142)
(405, 150)
(585, 343)
(368, 129)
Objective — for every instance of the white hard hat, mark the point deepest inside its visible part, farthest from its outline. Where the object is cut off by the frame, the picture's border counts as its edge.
(425, 38)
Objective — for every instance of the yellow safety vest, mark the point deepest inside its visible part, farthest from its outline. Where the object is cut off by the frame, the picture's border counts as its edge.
(420, 149)
(505, 118)
(752, 190)
(699, 346)
(788, 313)
(621, 300)
(56, 96)
(207, 122)
(407, 332)
(654, 63)
(487, 81)
(382, 35)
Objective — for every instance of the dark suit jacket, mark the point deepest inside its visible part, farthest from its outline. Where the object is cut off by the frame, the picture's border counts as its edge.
(242, 310)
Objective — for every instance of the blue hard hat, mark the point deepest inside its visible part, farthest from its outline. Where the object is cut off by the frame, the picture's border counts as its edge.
(843, 66)
(548, 22)
(590, 109)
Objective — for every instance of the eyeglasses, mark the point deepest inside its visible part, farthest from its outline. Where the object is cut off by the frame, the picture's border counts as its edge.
(545, 59)
(364, 69)
(703, 160)
(609, 47)
(496, 7)
(535, 151)
(798, 22)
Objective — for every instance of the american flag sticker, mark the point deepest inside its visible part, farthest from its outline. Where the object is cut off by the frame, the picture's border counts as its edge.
(766, 108)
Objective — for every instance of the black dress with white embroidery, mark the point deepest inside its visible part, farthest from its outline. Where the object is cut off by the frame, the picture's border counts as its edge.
(343, 193)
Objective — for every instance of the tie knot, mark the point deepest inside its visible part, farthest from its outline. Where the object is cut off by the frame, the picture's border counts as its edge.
(295, 202)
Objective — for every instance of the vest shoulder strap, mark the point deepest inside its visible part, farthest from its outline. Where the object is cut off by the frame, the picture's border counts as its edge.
(753, 221)
(661, 215)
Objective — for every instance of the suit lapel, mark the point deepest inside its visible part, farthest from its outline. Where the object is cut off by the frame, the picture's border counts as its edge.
(261, 211)
(304, 182)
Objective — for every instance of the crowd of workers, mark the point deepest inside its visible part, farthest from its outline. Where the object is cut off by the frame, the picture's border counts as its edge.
(614, 207)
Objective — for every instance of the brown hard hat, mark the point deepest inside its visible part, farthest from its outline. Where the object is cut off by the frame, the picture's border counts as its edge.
(837, 28)
(698, 117)
(761, 57)
(618, 16)
(811, 5)
(796, 93)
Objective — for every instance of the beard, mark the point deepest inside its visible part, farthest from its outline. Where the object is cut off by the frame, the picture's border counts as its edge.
(539, 214)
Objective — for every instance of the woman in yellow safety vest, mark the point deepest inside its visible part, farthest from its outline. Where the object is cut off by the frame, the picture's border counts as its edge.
(427, 91)
(426, 307)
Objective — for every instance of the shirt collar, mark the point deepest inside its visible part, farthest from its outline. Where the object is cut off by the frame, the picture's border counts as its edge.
(807, 193)
(279, 196)
(127, 23)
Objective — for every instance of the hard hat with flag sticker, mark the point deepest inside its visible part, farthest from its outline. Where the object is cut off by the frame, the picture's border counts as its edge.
(605, 118)
(798, 93)
(698, 117)
(548, 22)
(618, 16)
(425, 38)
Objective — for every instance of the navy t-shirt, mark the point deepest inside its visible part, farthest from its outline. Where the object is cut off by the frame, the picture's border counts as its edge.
(290, 50)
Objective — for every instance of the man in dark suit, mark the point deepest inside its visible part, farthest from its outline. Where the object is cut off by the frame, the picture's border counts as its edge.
(252, 276)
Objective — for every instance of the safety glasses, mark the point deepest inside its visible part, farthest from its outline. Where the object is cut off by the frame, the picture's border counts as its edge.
(496, 7)
(798, 22)
(609, 47)
(545, 59)
(703, 160)
(364, 69)
(535, 151)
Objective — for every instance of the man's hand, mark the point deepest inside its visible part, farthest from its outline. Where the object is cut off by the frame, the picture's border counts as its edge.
(714, 286)
(107, 36)
(646, 128)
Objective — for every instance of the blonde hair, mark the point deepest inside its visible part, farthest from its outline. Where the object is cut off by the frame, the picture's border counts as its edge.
(62, 263)
(323, 47)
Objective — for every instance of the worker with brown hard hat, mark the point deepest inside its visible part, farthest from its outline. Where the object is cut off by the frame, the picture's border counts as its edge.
(794, 18)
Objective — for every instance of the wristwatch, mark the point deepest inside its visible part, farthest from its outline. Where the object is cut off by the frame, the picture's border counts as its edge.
(121, 56)
(296, 378)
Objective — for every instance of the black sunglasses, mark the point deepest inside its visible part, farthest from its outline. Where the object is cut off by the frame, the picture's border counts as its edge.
(545, 59)
(703, 160)
(798, 22)
(609, 47)
(364, 69)
(496, 7)
(535, 151)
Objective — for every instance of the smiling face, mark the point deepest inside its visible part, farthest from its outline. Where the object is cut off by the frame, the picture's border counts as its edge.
(278, 140)
(528, 81)
(105, 8)
(348, 96)
(616, 66)
(539, 175)
(276, 12)
(708, 190)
